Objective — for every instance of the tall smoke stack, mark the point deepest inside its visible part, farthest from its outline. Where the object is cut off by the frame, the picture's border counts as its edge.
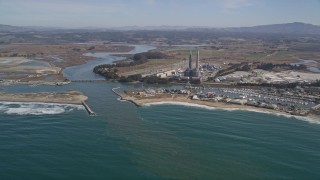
(190, 60)
(197, 62)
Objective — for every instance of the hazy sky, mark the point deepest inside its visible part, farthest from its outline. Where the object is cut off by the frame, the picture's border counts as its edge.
(115, 13)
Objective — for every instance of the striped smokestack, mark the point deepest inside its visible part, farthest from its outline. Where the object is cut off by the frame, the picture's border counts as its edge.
(197, 62)
(190, 60)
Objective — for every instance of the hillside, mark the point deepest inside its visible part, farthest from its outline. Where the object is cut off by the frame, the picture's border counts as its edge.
(288, 28)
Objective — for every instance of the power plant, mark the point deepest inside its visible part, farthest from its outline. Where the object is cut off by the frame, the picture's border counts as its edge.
(193, 72)
(190, 74)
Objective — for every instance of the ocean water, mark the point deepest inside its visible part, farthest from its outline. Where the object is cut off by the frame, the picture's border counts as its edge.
(151, 142)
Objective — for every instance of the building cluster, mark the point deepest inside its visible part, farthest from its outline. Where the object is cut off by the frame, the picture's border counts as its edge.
(190, 73)
(193, 73)
(154, 92)
(211, 96)
(294, 102)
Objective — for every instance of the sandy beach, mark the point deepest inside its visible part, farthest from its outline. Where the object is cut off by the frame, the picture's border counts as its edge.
(183, 100)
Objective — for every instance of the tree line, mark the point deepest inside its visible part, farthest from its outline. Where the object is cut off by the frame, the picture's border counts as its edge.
(110, 71)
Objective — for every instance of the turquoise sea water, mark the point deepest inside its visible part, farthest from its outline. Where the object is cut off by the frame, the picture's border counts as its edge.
(163, 141)
(50, 141)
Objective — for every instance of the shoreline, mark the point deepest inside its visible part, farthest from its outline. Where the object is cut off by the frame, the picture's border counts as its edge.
(312, 119)
(68, 98)
(183, 101)
(41, 103)
(34, 83)
(77, 58)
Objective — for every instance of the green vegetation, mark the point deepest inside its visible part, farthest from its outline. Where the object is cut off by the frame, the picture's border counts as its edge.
(148, 55)
(132, 78)
(109, 71)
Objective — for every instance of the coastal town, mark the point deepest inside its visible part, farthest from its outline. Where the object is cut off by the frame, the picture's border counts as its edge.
(289, 88)
(275, 74)
(292, 102)
(159, 89)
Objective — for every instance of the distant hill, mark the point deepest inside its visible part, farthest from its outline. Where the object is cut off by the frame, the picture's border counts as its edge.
(7, 28)
(288, 28)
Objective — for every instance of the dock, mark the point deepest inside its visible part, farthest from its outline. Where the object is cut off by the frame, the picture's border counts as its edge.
(88, 109)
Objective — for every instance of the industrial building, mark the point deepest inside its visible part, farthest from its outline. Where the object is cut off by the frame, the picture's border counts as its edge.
(193, 72)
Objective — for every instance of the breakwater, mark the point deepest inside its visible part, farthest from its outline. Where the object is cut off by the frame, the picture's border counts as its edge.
(122, 97)
(88, 109)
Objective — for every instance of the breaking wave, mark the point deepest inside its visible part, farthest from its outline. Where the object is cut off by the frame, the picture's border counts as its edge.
(30, 108)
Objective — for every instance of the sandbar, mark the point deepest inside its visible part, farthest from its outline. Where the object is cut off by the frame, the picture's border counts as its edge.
(68, 97)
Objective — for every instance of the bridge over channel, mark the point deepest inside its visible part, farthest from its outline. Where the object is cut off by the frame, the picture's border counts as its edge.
(89, 81)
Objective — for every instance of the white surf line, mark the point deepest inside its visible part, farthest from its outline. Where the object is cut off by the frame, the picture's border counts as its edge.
(36, 108)
(308, 119)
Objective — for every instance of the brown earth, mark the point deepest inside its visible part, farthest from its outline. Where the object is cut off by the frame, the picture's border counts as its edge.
(58, 56)
(71, 54)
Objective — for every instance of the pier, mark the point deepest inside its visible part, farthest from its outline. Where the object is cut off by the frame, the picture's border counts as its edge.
(88, 109)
